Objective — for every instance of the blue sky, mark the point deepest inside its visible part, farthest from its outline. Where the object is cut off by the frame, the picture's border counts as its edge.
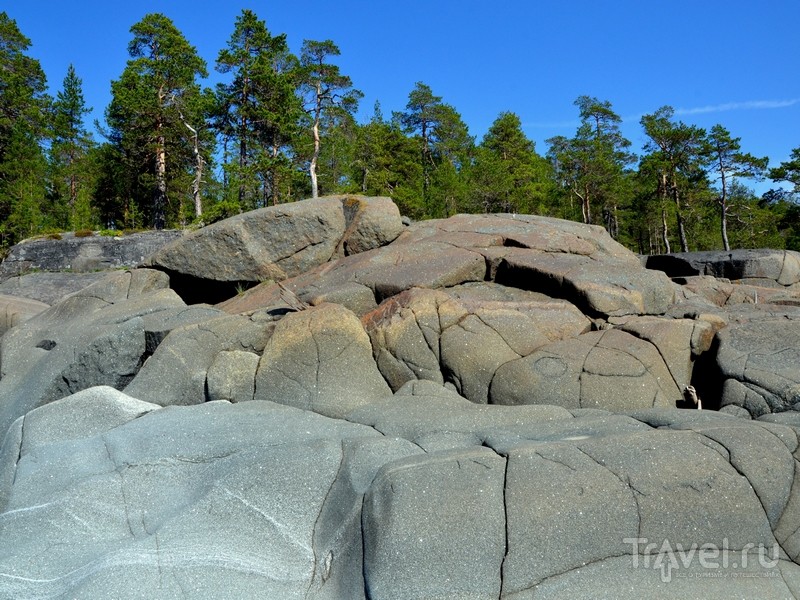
(729, 62)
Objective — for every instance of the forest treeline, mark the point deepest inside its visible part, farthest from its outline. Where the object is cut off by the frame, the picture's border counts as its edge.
(283, 127)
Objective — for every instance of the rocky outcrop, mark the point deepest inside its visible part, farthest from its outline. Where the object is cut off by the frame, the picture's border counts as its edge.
(759, 363)
(770, 267)
(15, 310)
(83, 254)
(259, 499)
(278, 242)
(475, 407)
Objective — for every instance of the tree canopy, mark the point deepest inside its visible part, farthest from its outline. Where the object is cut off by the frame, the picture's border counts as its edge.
(279, 127)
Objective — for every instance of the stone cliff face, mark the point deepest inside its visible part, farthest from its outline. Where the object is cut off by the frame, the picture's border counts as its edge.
(315, 401)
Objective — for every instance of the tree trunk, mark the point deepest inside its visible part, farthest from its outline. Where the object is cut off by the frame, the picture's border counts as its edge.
(242, 168)
(160, 193)
(681, 224)
(198, 168)
(665, 231)
(312, 169)
(723, 201)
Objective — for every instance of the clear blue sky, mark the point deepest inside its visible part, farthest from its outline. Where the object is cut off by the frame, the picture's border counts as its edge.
(732, 62)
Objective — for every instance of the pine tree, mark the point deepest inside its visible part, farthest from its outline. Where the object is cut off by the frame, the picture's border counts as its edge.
(70, 147)
(23, 108)
(508, 175)
(445, 149)
(592, 165)
(325, 90)
(675, 160)
(727, 162)
(258, 113)
(152, 103)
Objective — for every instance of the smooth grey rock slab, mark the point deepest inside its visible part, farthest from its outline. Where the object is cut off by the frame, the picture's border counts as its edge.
(434, 527)
(252, 500)
(49, 287)
(94, 337)
(781, 266)
(84, 254)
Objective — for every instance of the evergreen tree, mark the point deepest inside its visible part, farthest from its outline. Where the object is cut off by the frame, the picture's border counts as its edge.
(788, 171)
(258, 113)
(155, 104)
(325, 90)
(70, 150)
(508, 175)
(675, 162)
(727, 161)
(592, 165)
(23, 107)
(445, 148)
(386, 163)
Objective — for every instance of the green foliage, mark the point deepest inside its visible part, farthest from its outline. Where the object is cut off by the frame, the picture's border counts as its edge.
(673, 165)
(591, 166)
(789, 171)
(257, 114)
(71, 172)
(327, 94)
(445, 151)
(154, 104)
(282, 128)
(23, 111)
(507, 174)
(726, 161)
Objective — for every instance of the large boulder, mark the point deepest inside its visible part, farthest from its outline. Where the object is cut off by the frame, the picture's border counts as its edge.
(281, 241)
(179, 369)
(83, 254)
(579, 263)
(429, 334)
(760, 364)
(780, 267)
(608, 369)
(97, 336)
(320, 360)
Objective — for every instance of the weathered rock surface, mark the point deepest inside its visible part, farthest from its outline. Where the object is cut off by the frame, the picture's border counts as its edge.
(49, 287)
(602, 369)
(427, 334)
(477, 407)
(95, 337)
(15, 310)
(258, 499)
(281, 241)
(83, 254)
(779, 266)
(319, 359)
(579, 263)
(760, 363)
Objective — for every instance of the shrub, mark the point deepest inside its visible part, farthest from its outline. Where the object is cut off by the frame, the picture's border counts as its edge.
(81, 233)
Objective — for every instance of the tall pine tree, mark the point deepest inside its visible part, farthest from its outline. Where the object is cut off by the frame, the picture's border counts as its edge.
(70, 151)
(23, 107)
(152, 103)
